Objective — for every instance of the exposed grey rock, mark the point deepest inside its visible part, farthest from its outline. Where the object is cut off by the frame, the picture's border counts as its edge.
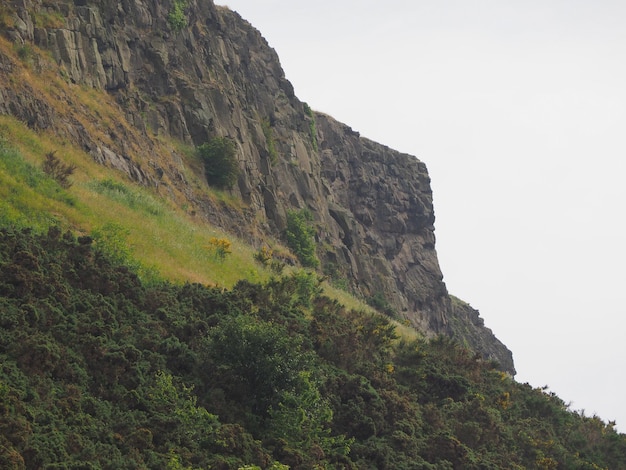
(372, 205)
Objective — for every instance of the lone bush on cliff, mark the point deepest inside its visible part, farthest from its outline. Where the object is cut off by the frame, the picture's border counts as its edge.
(220, 162)
(176, 16)
(300, 237)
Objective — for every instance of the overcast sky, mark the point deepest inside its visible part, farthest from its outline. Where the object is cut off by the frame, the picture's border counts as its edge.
(518, 108)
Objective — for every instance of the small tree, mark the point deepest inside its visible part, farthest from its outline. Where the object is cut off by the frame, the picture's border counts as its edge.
(220, 162)
(58, 170)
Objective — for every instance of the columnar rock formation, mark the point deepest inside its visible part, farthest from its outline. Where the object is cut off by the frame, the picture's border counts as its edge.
(217, 76)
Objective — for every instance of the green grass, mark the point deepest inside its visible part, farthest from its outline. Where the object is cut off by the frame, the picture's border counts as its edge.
(159, 237)
(166, 239)
(403, 330)
(27, 195)
(130, 197)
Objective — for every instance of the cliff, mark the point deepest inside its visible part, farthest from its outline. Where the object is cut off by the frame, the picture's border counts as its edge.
(209, 73)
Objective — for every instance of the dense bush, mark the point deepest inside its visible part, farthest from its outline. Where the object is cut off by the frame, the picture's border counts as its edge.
(380, 303)
(176, 16)
(98, 370)
(220, 162)
(300, 236)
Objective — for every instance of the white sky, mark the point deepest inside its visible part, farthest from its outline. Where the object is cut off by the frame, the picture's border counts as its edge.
(518, 108)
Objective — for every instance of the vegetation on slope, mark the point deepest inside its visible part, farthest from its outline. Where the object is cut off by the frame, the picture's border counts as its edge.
(103, 364)
(156, 235)
(98, 370)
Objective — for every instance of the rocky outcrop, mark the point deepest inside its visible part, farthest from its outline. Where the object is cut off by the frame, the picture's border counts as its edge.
(381, 206)
(217, 76)
(466, 325)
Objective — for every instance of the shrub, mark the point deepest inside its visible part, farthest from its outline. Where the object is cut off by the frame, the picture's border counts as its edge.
(380, 303)
(176, 16)
(220, 162)
(220, 248)
(300, 237)
(264, 255)
(58, 170)
(24, 52)
(112, 239)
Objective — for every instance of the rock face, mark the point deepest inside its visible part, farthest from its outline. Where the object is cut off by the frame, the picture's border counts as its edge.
(217, 76)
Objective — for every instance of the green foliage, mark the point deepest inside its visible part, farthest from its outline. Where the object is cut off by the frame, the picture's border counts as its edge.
(24, 52)
(176, 16)
(220, 247)
(220, 162)
(380, 303)
(98, 370)
(300, 236)
(264, 255)
(131, 197)
(255, 361)
(112, 239)
(336, 277)
(270, 141)
(26, 191)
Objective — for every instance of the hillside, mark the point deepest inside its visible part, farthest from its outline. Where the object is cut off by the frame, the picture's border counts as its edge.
(100, 370)
(283, 309)
(170, 87)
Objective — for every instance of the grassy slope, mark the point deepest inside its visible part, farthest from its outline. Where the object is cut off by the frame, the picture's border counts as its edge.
(161, 234)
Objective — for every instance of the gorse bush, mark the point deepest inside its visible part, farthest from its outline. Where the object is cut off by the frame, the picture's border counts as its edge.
(220, 162)
(220, 247)
(300, 236)
(99, 370)
(264, 255)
